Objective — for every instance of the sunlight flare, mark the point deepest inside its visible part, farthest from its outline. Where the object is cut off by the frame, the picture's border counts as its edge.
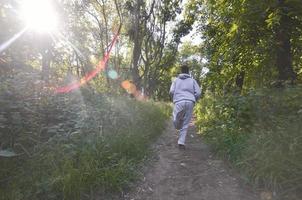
(39, 15)
(6, 44)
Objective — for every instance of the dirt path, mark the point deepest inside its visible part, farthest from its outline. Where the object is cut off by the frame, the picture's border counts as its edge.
(191, 174)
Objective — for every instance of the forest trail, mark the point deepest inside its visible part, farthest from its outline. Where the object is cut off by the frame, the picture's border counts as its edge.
(191, 174)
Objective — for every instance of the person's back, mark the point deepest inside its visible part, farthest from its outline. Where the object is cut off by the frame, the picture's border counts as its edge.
(185, 92)
(185, 88)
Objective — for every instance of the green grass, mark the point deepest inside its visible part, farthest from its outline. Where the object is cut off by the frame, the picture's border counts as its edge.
(95, 148)
(260, 133)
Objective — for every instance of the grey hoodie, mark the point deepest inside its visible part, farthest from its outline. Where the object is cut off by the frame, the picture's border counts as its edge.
(185, 88)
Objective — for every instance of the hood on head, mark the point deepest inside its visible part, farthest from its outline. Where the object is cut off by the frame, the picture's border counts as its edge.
(184, 76)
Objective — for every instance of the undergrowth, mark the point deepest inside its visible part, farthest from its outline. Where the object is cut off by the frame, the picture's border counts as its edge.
(76, 146)
(260, 133)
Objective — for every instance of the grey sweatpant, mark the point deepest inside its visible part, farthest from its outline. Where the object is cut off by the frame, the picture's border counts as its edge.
(182, 114)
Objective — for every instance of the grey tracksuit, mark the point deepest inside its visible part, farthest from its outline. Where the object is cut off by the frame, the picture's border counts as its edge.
(185, 92)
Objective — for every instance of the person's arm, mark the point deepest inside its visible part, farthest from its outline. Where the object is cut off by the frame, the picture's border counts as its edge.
(172, 90)
(197, 90)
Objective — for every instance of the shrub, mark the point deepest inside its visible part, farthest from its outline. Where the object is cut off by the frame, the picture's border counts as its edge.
(79, 145)
(260, 132)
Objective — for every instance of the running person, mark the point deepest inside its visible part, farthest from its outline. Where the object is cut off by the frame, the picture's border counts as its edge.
(185, 91)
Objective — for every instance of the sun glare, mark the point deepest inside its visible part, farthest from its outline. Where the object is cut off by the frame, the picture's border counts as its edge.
(39, 15)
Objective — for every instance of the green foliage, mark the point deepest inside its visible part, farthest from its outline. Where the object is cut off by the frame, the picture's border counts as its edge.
(223, 123)
(260, 133)
(70, 146)
(86, 144)
(255, 41)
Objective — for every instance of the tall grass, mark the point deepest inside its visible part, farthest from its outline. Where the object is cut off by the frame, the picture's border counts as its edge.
(261, 133)
(93, 147)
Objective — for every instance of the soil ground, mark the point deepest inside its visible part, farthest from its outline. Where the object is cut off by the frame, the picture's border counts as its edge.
(190, 174)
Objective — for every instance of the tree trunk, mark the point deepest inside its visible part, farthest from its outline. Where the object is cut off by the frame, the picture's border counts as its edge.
(46, 59)
(240, 81)
(284, 54)
(45, 47)
(104, 13)
(137, 44)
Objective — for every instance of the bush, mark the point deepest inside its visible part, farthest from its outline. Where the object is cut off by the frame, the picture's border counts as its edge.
(260, 133)
(77, 145)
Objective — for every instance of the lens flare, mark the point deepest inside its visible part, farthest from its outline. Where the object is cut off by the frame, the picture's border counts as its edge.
(132, 89)
(129, 87)
(100, 67)
(39, 15)
(112, 74)
(126, 84)
(6, 44)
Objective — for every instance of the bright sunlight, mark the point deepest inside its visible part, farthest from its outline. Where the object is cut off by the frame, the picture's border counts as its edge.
(39, 15)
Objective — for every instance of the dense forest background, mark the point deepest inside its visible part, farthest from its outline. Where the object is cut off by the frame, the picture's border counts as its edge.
(246, 54)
